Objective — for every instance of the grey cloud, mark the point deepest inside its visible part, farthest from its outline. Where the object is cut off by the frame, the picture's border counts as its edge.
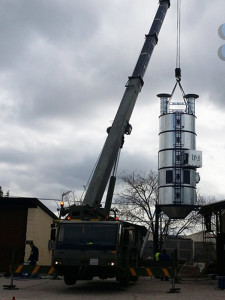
(56, 21)
(63, 68)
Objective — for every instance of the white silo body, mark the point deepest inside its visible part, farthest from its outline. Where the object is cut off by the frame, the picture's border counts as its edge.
(177, 158)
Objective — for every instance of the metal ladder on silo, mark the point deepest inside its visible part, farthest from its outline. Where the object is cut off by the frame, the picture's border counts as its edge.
(178, 153)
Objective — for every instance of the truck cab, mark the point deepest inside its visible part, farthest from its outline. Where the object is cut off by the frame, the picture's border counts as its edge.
(106, 249)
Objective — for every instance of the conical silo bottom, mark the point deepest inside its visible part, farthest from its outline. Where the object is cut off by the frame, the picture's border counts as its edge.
(177, 211)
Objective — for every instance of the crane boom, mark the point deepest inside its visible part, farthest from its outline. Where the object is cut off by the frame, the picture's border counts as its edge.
(89, 242)
(120, 124)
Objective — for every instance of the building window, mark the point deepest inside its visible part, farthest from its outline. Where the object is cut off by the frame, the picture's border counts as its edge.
(187, 176)
(169, 176)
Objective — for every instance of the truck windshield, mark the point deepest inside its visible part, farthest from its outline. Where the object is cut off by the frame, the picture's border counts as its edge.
(87, 236)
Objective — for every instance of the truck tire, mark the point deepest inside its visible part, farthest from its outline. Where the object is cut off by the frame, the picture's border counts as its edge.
(69, 279)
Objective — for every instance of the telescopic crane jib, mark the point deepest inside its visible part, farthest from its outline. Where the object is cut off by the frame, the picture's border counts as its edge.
(88, 243)
(119, 128)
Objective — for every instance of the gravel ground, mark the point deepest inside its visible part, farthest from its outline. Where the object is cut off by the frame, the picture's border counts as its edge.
(144, 289)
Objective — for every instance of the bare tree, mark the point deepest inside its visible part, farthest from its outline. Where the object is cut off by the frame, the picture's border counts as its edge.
(69, 198)
(2, 194)
(72, 198)
(138, 197)
(193, 222)
(136, 203)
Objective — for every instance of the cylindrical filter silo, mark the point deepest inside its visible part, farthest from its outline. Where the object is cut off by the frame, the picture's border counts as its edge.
(177, 157)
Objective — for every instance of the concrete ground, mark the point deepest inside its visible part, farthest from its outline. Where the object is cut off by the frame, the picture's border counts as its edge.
(145, 288)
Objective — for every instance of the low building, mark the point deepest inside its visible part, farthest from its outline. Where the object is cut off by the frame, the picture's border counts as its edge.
(204, 246)
(21, 220)
(183, 246)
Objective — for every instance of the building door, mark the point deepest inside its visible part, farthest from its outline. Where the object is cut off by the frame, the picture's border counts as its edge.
(13, 223)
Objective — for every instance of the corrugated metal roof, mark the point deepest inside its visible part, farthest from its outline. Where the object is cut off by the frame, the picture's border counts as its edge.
(212, 207)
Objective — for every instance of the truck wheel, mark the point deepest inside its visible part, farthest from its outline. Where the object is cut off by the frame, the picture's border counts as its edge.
(69, 280)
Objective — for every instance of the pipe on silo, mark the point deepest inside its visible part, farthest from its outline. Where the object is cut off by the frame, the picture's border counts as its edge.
(164, 101)
(190, 98)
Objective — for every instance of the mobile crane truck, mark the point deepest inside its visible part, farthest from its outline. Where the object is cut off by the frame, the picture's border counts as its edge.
(89, 242)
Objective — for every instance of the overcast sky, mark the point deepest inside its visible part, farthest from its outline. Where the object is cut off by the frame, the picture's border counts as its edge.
(63, 68)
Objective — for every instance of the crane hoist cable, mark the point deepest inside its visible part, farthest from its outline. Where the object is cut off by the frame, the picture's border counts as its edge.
(114, 171)
(178, 69)
(89, 179)
(178, 33)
